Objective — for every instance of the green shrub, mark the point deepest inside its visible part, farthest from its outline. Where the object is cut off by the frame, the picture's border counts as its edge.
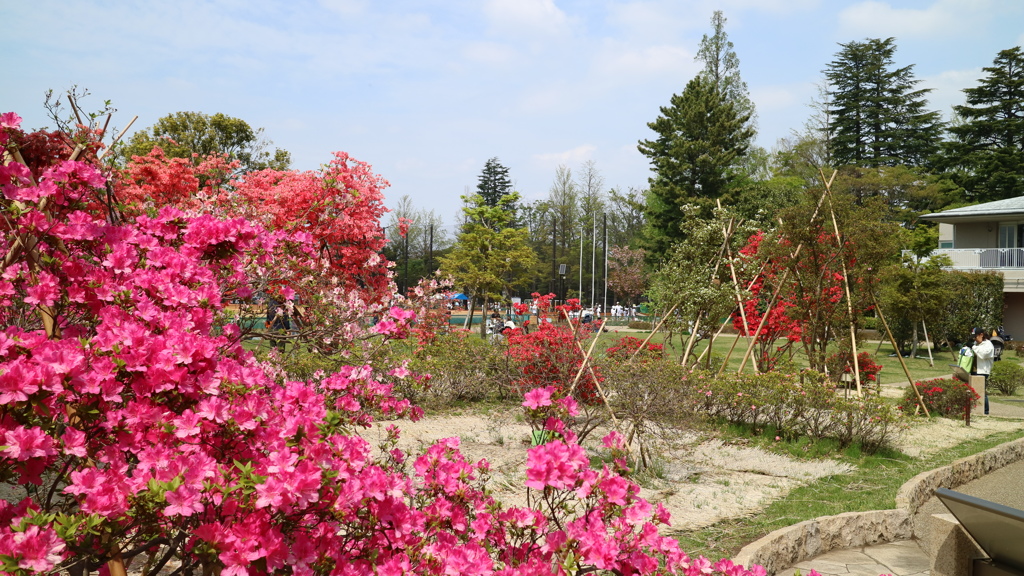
(638, 325)
(944, 397)
(1006, 377)
(648, 396)
(462, 369)
(796, 405)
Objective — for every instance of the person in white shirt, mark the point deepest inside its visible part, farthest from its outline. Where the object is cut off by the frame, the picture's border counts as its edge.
(984, 353)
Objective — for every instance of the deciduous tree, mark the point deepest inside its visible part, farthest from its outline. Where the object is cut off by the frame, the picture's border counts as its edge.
(183, 134)
(489, 257)
(627, 275)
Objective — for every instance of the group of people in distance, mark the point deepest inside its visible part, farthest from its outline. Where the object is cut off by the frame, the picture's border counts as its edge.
(498, 327)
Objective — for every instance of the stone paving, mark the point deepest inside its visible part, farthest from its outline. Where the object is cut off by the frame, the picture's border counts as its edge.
(908, 557)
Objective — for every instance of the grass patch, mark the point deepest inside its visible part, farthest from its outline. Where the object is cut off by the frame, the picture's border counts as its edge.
(872, 486)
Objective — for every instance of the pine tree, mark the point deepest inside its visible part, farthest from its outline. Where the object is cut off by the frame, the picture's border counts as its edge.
(494, 183)
(876, 116)
(722, 69)
(987, 152)
(700, 137)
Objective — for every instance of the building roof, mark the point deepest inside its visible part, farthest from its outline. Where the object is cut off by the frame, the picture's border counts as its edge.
(981, 212)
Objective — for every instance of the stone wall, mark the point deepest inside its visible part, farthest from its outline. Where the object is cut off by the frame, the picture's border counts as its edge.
(794, 544)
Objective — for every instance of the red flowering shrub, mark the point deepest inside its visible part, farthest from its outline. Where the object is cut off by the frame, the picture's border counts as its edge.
(946, 397)
(841, 363)
(552, 354)
(627, 346)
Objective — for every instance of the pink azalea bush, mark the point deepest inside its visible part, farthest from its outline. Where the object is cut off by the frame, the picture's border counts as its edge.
(133, 422)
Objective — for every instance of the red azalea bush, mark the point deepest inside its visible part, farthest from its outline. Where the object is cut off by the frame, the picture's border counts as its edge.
(552, 354)
(627, 347)
(842, 363)
(777, 325)
(946, 397)
(136, 424)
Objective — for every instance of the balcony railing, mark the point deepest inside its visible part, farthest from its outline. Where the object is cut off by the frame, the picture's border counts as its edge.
(983, 258)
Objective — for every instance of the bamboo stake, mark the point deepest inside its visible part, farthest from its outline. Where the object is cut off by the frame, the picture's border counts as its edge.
(597, 382)
(764, 317)
(928, 341)
(896, 347)
(118, 138)
(75, 109)
(586, 358)
(746, 327)
(846, 286)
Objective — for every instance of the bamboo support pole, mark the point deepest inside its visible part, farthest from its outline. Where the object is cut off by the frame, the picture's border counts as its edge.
(846, 287)
(74, 109)
(586, 359)
(764, 318)
(928, 344)
(118, 138)
(746, 326)
(597, 382)
(892, 339)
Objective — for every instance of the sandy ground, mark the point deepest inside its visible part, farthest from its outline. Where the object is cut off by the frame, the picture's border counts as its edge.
(701, 481)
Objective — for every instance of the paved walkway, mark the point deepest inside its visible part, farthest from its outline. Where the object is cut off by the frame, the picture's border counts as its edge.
(908, 558)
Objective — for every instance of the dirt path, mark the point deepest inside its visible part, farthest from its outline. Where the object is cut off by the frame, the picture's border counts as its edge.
(701, 481)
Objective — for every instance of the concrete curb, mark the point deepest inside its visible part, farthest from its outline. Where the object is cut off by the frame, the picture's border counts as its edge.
(805, 540)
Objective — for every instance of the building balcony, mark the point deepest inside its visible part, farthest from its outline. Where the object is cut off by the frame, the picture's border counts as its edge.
(1007, 261)
(984, 258)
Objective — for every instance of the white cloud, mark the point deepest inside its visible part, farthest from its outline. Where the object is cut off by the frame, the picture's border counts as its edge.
(490, 53)
(345, 7)
(526, 17)
(616, 59)
(571, 157)
(769, 98)
(880, 19)
(947, 88)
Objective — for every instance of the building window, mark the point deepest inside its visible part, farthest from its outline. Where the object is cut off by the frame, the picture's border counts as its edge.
(944, 244)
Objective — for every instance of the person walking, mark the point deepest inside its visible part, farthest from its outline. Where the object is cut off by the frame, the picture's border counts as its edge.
(984, 352)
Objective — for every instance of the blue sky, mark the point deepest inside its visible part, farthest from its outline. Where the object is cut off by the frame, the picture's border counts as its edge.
(427, 90)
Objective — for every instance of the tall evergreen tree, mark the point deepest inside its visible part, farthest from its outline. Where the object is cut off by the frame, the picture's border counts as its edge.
(876, 116)
(494, 183)
(722, 69)
(700, 136)
(987, 151)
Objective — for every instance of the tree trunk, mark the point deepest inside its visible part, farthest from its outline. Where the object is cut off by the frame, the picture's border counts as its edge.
(483, 320)
(469, 315)
(913, 342)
